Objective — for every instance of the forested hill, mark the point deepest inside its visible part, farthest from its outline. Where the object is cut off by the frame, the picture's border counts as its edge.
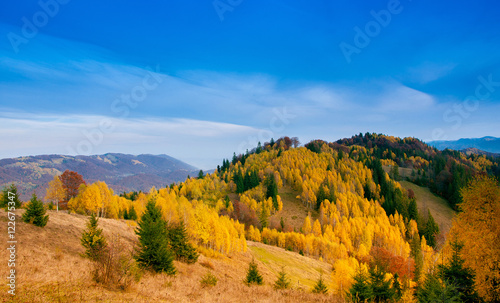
(444, 172)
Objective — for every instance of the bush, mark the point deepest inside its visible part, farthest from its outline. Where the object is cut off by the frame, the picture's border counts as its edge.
(35, 213)
(115, 267)
(209, 279)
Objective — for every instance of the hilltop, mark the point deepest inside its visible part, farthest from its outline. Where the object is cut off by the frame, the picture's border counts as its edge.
(121, 172)
(444, 172)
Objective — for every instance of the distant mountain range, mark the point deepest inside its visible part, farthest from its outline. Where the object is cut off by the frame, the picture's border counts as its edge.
(121, 172)
(491, 145)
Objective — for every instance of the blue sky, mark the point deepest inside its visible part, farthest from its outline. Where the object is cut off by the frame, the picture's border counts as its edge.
(198, 80)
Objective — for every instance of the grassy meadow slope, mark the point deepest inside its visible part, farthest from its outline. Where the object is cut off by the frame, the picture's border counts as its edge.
(50, 269)
(440, 209)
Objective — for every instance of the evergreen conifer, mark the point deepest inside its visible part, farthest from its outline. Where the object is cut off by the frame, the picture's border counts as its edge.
(253, 275)
(35, 213)
(153, 252)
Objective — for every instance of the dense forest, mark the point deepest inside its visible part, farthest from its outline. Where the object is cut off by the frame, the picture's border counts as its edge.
(444, 172)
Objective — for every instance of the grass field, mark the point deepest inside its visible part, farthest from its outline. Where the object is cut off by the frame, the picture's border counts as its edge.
(49, 268)
(440, 210)
(302, 271)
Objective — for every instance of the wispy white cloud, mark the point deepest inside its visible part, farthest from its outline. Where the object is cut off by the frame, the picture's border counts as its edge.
(405, 99)
(428, 72)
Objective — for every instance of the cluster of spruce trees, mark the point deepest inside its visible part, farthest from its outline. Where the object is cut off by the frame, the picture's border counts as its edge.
(245, 182)
(159, 242)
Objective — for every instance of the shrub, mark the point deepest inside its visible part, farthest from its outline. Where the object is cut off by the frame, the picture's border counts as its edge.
(209, 279)
(115, 267)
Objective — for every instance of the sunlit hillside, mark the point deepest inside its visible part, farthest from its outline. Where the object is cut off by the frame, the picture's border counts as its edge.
(51, 269)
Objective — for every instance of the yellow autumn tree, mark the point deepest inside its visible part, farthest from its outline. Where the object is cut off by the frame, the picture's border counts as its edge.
(477, 226)
(343, 273)
(306, 227)
(316, 229)
(55, 191)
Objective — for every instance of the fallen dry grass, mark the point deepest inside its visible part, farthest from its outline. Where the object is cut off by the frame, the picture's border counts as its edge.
(49, 268)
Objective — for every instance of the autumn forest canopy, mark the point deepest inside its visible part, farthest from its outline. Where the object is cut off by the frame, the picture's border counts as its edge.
(381, 244)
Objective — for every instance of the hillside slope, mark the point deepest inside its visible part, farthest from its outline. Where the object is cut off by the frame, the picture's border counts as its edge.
(439, 207)
(120, 171)
(50, 269)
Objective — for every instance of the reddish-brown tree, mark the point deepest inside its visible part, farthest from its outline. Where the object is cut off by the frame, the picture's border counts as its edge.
(71, 182)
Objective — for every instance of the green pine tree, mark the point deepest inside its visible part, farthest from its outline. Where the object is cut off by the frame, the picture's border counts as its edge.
(461, 277)
(153, 252)
(320, 196)
(382, 291)
(35, 213)
(9, 194)
(413, 210)
(282, 282)
(239, 181)
(272, 190)
(93, 240)
(132, 214)
(361, 290)
(320, 287)
(434, 290)
(179, 242)
(431, 230)
(253, 275)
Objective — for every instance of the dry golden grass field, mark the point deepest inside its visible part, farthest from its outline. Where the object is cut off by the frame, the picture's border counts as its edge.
(49, 268)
